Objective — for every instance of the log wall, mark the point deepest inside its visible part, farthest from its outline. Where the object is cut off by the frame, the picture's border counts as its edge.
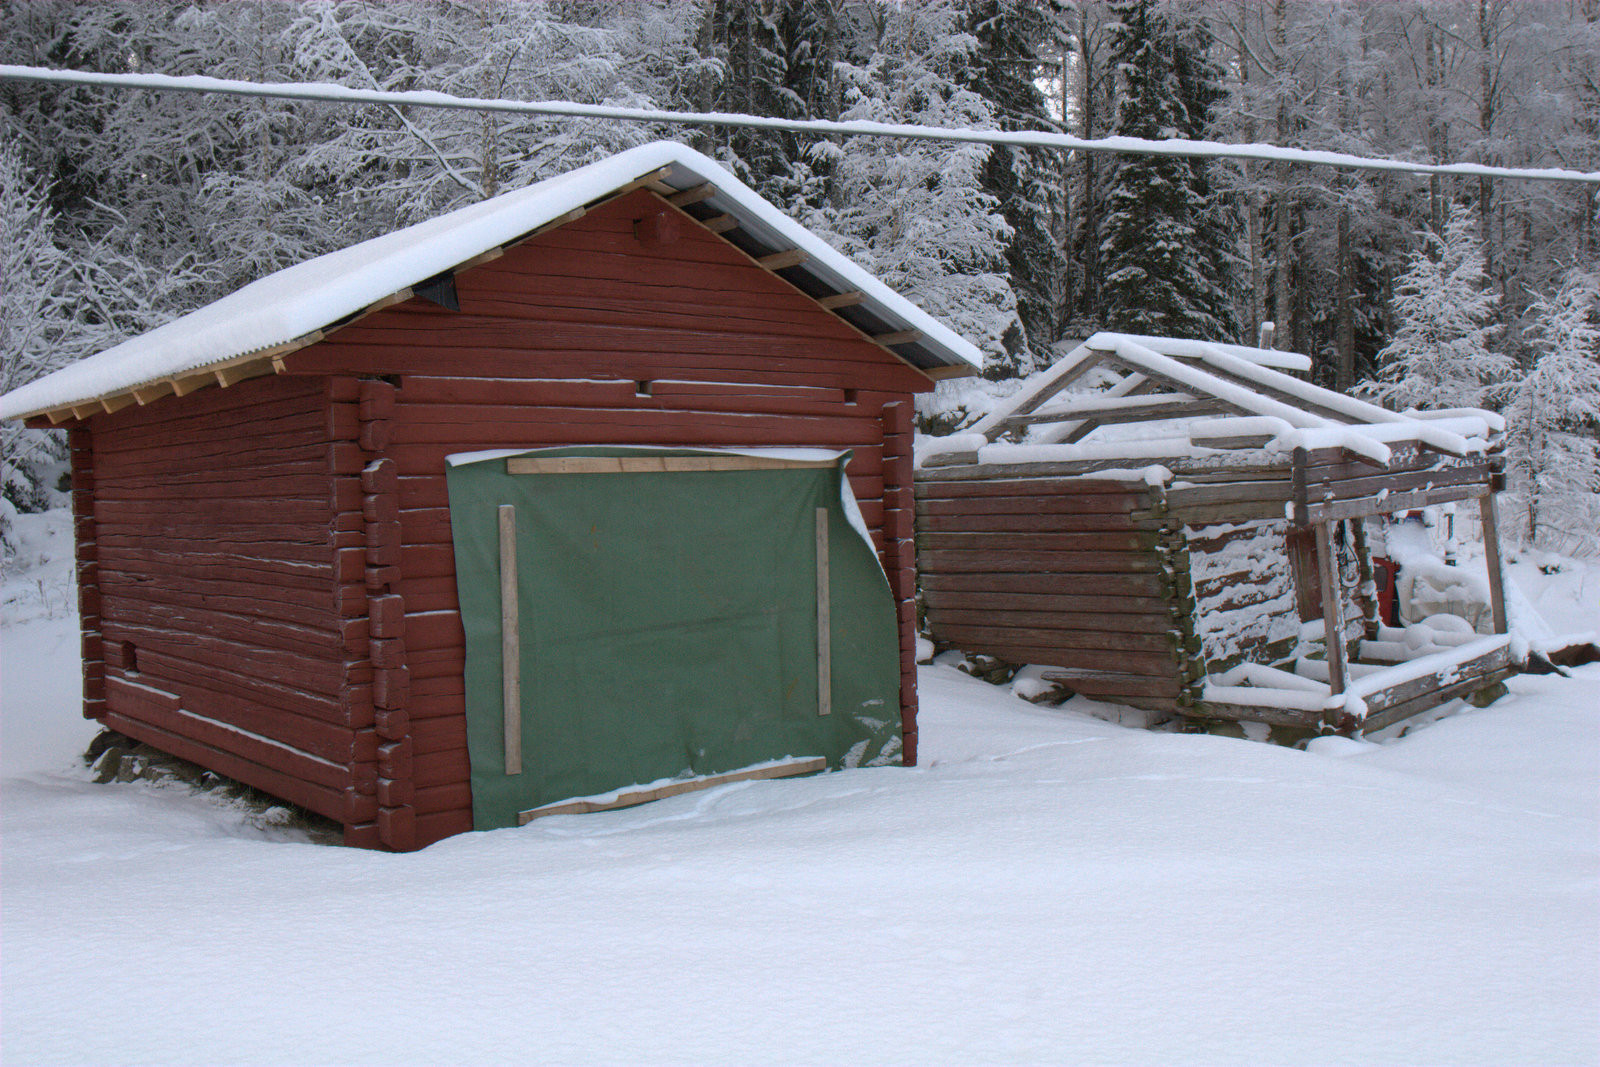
(1244, 586)
(208, 528)
(596, 333)
(1077, 574)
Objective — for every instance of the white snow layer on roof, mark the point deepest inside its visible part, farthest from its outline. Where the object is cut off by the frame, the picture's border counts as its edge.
(308, 296)
(1229, 373)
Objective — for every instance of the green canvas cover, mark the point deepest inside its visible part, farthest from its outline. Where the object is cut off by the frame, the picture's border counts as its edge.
(668, 626)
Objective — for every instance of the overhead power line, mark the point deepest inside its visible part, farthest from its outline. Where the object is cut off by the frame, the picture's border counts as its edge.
(340, 94)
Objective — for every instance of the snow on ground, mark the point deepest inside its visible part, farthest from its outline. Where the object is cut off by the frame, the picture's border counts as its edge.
(1046, 888)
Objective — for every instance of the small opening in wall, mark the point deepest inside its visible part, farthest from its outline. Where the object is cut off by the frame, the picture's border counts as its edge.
(849, 396)
(130, 658)
(641, 388)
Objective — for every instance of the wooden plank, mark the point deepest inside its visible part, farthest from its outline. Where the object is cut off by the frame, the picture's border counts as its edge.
(605, 361)
(1403, 692)
(1182, 498)
(1382, 504)
(510, 642)
(1345, 487)
(693, 195)
(992, 631)
(1122, 409)
(720, 223)
(655, 464)
(1111, 585)
(1113, 612)
(1123, 505)
(787, 769)
(1089, 622)
(1021, 522)
(931, 487)
(966, 561)
(1052, 654)
(1433, 698)
(1295, 717)
(824, 619)
(1332, 607)
(898, 337)
(1115, 684)
(990, 541)
(1051, 386)
(324, 801)
(790, 257)
(840, 300)
(1491, 556)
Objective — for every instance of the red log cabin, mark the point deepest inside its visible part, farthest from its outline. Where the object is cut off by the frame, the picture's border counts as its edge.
(267, 581)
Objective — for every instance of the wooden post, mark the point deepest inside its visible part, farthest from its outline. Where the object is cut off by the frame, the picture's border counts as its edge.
(510, 641)
(1332, 607)
(1491, 559)
(824, 626)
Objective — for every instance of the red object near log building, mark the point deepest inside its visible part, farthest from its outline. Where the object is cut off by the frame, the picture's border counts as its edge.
(267, 584)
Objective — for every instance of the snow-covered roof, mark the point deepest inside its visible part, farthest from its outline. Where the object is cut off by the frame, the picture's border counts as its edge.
(1228, 396)
(287, 306)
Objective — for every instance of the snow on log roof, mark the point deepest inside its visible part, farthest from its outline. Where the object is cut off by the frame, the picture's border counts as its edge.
(1231, 396)
(292, 304)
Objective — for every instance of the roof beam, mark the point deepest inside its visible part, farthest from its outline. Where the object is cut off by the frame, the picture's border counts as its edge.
(693, 195)
(898, 337)
(1121, 409)
(789, 257)
(840, 300)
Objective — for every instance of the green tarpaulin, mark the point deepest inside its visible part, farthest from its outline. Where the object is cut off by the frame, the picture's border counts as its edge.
(668, 625)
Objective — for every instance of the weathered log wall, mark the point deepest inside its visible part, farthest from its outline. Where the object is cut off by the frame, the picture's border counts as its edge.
(1076, 574)
(1244, 586)
(206, 529)
(590, 335)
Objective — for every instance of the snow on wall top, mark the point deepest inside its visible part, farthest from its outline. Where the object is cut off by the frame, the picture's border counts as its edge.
(298, 300)
(1286, 411)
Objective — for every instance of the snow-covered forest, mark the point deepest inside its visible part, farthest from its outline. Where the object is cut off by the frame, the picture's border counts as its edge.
(129, 207)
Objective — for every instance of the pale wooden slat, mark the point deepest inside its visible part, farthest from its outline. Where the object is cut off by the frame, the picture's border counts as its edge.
(510, 641)
(792, 257)
(693, 195)
(786, 769)
(898, 337)
(824, 620)
(840, 300)
(654, 464)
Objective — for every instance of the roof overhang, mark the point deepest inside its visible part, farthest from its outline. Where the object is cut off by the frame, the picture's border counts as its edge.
(249, 332)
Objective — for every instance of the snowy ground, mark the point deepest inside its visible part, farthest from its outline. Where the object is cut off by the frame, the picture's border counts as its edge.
(1046, 888)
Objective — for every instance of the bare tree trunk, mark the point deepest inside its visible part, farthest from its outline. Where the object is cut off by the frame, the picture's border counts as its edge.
(1283, 236)
(1344, 374)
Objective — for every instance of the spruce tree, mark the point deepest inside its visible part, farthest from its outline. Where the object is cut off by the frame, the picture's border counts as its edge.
(1552, 452)
(1011, 38)
(1167, 250)
(1440, 355)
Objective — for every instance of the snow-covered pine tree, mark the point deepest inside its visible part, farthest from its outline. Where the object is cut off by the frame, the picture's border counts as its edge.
(36, 301)
(394, 166)
(745, 38)
(914, 213)
(1167, 249)
(1553, 418)
(1012, 37)
(1441, 354)
(60, 300)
